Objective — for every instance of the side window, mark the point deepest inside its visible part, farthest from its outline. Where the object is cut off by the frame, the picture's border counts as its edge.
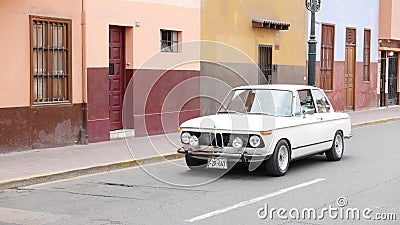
(306, 100)
(299, 110)
(323, 105)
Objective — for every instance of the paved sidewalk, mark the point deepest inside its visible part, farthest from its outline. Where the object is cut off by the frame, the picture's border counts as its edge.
(372, 116)
(36, 166)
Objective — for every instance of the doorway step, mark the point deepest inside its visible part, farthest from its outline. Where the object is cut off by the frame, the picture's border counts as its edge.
(121, 134)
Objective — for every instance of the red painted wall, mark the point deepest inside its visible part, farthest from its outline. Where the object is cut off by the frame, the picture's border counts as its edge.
(24, 128)
(98, 102)
(365, 96)
(163, 99)
(155, 101)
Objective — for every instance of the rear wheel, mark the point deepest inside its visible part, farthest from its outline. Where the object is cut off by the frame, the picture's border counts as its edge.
(337, 149)
(195, 164)
(278, 164)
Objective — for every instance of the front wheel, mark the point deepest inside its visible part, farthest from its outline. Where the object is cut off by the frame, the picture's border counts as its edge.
(278, 164)
(337, 149)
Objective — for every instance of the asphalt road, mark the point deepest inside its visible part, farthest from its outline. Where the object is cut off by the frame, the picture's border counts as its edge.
(367, 179)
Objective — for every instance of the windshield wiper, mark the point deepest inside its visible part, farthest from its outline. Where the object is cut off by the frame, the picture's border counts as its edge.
(268, 114)
(261, 113)
(229, 111)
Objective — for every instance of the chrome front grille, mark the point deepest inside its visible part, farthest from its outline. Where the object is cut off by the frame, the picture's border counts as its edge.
(219, 140)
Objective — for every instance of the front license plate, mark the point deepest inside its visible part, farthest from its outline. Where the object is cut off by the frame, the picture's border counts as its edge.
(217, 163)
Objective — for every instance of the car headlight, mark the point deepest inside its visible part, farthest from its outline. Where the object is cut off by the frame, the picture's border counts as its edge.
(185, 138)
(237, 142)
(255, 141)
(194, 141)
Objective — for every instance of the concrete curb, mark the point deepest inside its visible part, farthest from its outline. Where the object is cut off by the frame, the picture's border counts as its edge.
(59, 175)
(375, 122)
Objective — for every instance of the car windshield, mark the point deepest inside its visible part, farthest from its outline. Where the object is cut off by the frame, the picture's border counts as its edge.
(269, 102)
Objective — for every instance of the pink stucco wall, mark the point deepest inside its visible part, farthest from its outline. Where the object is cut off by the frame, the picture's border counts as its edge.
(143, 41)
(15, 46)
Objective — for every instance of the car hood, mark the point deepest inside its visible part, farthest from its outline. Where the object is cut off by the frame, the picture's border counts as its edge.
(237, 122)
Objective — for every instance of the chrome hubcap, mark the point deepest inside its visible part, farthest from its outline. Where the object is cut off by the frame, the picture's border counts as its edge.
(338, 145)
(283, 158)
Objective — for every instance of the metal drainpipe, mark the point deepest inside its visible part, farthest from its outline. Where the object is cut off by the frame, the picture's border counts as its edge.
(83, 139)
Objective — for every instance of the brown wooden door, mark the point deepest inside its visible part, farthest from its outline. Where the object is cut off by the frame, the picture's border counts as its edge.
(349, 77)
(116, 76)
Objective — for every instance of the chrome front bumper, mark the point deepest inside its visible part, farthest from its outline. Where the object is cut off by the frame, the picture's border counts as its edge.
(348, 136)
(242, 157)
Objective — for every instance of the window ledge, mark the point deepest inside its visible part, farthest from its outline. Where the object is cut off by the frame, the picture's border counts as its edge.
(51, 104)
(169, 52)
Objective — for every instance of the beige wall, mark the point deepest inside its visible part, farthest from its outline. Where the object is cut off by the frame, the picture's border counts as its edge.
(389, 19)
(144, 41)
(385, 19)
(396, 19)
(15, 46)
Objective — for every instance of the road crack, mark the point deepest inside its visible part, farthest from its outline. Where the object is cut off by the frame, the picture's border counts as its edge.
(375, 186)
(81, 193)
(149, 186)
(361, 191)
(102, 196)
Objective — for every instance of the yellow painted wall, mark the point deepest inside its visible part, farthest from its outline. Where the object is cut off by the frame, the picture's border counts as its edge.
(15, 86)
(230, 22)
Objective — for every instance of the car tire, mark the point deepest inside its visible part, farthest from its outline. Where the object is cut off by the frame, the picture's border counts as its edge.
(337, 149)
(279, 162)
(195, 164)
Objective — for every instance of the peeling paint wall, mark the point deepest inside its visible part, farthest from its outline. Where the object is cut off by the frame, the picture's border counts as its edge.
(27, 128)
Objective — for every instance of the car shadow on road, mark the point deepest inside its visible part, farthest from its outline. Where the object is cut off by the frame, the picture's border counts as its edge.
(241, 169)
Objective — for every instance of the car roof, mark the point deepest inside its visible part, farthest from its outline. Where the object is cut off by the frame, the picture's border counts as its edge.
(288, 87)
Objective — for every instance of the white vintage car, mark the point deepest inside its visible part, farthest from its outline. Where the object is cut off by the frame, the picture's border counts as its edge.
(266, 125)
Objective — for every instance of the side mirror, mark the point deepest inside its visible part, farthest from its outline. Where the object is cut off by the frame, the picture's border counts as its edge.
(308, 112)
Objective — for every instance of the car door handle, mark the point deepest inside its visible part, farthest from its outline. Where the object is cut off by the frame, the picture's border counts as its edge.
(320, 118)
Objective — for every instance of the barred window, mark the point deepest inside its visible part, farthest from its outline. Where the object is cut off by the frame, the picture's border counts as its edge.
(265, 62)
(169, 41)
(327, 57)
(51, 63)
(367, 52)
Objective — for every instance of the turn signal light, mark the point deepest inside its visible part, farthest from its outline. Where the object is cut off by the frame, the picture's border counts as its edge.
(179, 129)
(267, 132)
